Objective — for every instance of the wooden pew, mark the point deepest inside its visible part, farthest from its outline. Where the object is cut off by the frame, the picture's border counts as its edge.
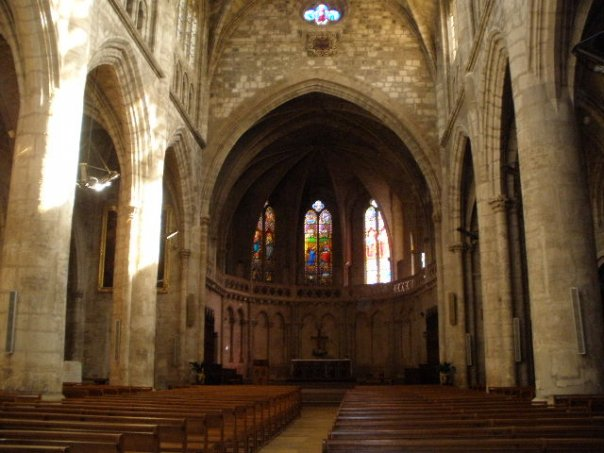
(137, 436)
(20, 448)
(79, 446)
(171, 431)
(81, 441)
(202, 418)
(463, 445)
(391, 419)
(592, 403)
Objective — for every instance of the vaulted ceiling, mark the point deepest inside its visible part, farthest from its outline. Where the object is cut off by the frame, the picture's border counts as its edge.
(421, 14)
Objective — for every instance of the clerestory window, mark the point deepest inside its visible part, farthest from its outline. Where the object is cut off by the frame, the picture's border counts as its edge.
(263, 246)
(318, 245)
(377, 248)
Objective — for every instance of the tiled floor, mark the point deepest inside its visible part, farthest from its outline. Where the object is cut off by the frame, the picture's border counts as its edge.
(306, 433)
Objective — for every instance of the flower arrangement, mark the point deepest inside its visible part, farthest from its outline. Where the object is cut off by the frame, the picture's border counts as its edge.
(198, 369)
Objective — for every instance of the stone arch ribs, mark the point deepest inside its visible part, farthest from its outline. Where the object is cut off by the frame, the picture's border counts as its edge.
(455, 191)
(183, 147)
(38, 75)
(373, 101)
(138, 149)
(492, 92)
(41, 33)
(548, 42)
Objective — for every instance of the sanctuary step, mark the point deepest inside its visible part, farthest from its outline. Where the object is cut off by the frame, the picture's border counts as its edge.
(323, 396)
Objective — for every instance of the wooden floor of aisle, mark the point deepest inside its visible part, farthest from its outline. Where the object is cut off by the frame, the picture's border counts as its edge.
(306, 433)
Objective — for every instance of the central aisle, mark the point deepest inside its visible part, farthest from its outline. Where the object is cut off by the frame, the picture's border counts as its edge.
(306, 433)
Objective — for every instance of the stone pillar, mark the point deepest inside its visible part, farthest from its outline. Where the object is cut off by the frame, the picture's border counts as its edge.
(204, 227)
(560, 247)
(135, 292)
(35, 251)
(183, 368)
(498, 310)
(453, 324)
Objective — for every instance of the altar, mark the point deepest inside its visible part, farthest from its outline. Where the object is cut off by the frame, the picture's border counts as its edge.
(321, 370)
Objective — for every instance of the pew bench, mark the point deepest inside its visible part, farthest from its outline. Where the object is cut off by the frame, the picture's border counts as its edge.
(81, 441)
(138, 437)
(32, 448)
(463, 445)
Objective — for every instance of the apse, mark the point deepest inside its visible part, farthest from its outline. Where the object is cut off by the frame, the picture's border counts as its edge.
(315, 148)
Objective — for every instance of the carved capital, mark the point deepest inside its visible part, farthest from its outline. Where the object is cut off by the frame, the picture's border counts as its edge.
(500, 203)
(129, 211)
(458, 247)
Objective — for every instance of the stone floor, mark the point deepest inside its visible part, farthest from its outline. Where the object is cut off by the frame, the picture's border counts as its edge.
(306, 433)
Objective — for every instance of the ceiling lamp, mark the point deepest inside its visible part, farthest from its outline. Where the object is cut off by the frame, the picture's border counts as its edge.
(98, 183)
(591, 52)
(97, 176)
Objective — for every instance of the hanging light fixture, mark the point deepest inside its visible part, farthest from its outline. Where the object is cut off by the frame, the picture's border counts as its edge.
(99, 176)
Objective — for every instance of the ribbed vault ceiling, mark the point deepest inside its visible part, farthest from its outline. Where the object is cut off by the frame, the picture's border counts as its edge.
(317, 131)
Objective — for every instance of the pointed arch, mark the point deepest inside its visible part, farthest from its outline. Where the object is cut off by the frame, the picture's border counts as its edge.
(458, 153)
(261, 337)
(183, 147)
(362, 331)
(263, 245)
(118, 54)
(496, 65)
(278, 348)
(377, 246)
(379, 339)
(373, 101)
(318, 244)
(308, 329)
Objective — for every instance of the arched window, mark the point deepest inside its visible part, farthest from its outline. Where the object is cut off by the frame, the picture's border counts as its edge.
(317, 245)
(191, 47)
(377, 249)
(264, 246)
(187, 28)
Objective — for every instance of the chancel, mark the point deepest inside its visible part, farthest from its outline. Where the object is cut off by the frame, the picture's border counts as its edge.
(302, 193)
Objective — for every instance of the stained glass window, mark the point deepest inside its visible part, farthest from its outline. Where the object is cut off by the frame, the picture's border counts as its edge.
(263, 246)
(317, 244)
(322, 15)
(377, 249)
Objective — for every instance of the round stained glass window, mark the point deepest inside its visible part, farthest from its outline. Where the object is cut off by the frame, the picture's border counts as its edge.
(322, 15)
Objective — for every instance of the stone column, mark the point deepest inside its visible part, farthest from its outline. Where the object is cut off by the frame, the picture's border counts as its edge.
(182, 359)
(135, 292)
(452, 341)
(35, 251)
(204, 227)
(500, 365)
(560, 246)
